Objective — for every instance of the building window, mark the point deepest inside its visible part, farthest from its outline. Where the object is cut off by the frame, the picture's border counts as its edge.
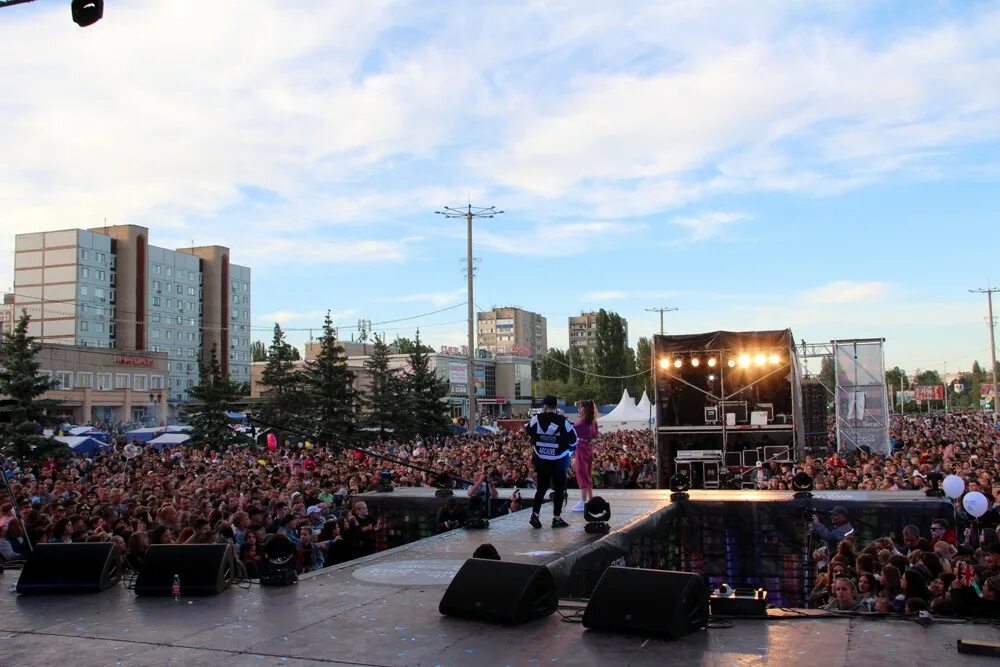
(156, 301)
(190, 291)
(103, 381)
(155, 318)
(84, 290)
(101, 275)
(122, 381)
(170, 288)
(156, 382)
(64, 380)
(84, 325)
(154, 333)
(99, 327)
(84, 380)
(180, 288)
(99, 293)
(139, 382)
(84, 272)
(236, 285)
(170, 272)
(246, 287)
(157, 269)
(180, 320)
(84, 254)
(157, 285)
(100, 258)
(191, 276)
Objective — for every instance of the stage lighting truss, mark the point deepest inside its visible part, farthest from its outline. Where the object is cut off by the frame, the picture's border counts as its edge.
(762, 359)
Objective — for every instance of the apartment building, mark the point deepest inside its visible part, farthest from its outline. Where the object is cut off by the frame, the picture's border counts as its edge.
(513, 331)
(583, 331)
(108, 288)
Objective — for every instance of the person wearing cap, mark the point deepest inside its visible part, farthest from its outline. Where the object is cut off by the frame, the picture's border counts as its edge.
(553, 440)
(841, 530)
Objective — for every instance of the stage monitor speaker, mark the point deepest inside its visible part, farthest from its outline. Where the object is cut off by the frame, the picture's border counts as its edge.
(499, 591)
(204, 569)
(86, 567)
(652, 602)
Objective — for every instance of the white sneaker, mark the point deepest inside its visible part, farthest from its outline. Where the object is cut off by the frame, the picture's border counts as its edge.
(579, 506)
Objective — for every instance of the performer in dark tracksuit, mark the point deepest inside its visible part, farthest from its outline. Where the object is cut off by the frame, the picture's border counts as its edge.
(553, 439)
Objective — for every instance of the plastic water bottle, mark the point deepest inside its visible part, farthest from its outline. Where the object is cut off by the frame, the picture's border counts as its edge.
(175, 588)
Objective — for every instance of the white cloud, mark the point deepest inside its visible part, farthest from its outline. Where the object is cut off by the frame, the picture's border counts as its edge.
(708, 225)
(559, 239)
(621, 295)
(288, 251)
(847, 291)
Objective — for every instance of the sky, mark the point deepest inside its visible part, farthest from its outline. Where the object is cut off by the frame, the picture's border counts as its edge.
(829, 167)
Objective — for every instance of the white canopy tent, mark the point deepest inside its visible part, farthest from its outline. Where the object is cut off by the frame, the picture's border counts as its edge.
(626, 416)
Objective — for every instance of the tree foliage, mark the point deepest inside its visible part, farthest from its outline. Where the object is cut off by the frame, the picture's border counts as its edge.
(555, 366)
(427, 392)
(258, 351)
(282, 397)
(386, 405)
(213, 396)
(25, 413)
(331, 406)
(612, 361)
(643, 363)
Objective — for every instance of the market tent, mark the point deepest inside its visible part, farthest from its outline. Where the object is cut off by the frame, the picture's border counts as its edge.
(144, 434)
(170, 440)
(81, 444)
(179, 428)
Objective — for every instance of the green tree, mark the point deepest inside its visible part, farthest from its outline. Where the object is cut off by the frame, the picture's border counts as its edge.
(406, 346)
(25, 412)
(387, 403)
(612, 362)
(213, 396)
(428, 393)
(827, 375)
(331, 401)
(644, 359)
(578, 360)
(555, 366)
(281, 397)
(258, 351)
(895, 378)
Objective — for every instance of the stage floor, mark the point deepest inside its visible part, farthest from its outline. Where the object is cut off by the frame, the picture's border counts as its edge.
(382, 610)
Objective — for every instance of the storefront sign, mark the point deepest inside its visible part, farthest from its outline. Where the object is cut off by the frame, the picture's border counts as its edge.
(134, 361)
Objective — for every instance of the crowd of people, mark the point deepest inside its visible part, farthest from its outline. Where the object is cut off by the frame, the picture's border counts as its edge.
(309, 493)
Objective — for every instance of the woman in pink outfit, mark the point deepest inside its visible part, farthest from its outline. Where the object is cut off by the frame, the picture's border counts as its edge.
(586, 433)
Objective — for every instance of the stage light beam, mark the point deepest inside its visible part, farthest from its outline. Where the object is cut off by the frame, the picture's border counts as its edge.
(696, 362)
(744, 360)
(774, 359)
(759, 359)
(711, 362)
(678, 363)
(664, 363)
(732, 363)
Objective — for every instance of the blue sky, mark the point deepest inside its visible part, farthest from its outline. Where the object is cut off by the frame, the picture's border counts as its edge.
(829, 167)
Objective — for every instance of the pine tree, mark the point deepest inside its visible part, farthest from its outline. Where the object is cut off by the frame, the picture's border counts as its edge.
(386, 405)
(331, 400)
(427, 392)
(282, 396)
(214, 396)
(24, 413)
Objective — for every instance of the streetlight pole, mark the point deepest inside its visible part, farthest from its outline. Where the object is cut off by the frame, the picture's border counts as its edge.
(993, 346)
(469, 212)
(660, 311)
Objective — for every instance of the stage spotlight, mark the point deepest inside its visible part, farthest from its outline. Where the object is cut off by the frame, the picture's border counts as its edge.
(711, 362)
(744, 361)
(711, 377)
(774, 359)
(696, 362)
(759, 359)
(679, 484)
(678, 363)
(802, 484)
(596, 512)
(277, 563)
(732, 363)
(86, 12)
(664, 363)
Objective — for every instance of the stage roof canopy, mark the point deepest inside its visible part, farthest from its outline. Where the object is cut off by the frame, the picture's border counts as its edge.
(726, 340)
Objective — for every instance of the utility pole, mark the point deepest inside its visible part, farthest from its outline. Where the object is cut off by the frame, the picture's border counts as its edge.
(993, 345)
(660, 311)
(469, 212)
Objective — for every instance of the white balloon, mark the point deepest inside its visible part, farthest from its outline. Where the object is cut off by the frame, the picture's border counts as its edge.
(954, 486)
(975, 503)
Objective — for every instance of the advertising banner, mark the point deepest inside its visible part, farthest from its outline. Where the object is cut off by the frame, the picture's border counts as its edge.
(505, 326)
(929, 392)
(458, 373)
(480, 381)
(905, 396)
(986, 390)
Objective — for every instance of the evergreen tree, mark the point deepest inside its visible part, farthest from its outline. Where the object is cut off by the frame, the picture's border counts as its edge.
(282, 396)
(386, 403)
(258, 351)
(331, 400)
(214, 396)
(428, 393)
(24, 413)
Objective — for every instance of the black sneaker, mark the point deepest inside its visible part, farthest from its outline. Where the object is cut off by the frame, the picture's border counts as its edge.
(535, 523)
(557, 522)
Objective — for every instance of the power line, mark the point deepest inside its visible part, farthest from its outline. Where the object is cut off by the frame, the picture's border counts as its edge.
(661, 310)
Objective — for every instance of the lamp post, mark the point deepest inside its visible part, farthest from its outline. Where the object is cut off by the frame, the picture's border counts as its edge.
(155, 398)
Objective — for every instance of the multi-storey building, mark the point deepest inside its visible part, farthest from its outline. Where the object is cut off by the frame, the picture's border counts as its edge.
(513, 331)
(108, 288)
(583, 331)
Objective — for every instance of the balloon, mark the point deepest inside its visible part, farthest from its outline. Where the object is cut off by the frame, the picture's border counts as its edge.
(954, 486)
(309, 445)
(262, 462)
(272, 442)
(975, 503)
